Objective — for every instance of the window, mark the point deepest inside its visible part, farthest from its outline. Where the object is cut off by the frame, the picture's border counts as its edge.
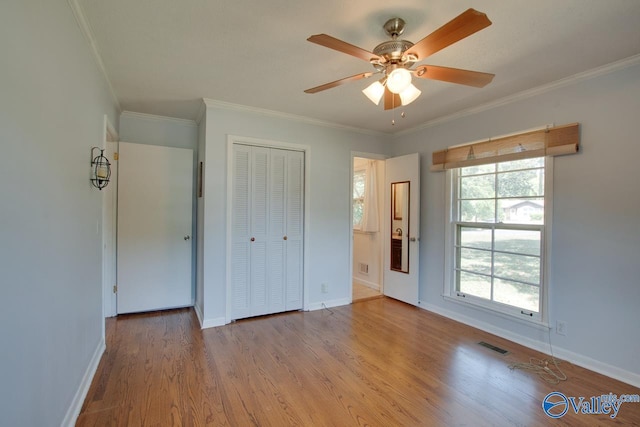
(359, 179)
(497, 235)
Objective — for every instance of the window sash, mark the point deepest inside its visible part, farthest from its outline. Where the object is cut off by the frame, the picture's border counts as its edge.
(535, 314)
(492, 275)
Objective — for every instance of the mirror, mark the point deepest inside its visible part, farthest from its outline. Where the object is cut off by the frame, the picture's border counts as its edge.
(400, 226)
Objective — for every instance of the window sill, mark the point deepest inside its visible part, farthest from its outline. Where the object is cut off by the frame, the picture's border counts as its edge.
(535, 323)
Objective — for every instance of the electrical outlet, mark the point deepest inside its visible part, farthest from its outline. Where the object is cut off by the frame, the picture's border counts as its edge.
(325, 288)
(561, 327)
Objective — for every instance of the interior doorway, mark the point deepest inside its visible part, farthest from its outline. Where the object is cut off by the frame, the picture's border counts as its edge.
(367, 249)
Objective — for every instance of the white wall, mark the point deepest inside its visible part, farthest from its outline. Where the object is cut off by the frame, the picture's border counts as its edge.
(167, 132)
(594, 280)
(52, 108)
(330, 199)
(158, 130)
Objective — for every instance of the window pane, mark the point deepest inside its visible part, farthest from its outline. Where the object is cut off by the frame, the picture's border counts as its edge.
(518, 267)
(358, 212)
(517, 294)
(475, 260)
(474, 284)
(475, 170)
(477, 211)
(518, 241)
(358, 184)
(475, 237)
(521, 211)
(524, 183)
(537, 162)
(477, 187)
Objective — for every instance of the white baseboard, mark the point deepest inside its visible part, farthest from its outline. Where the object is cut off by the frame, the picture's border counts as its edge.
(199, 314)
(375, 286)
(614, 372)
(328, 304)
(212, 323)
(208, 323)
(76, 404)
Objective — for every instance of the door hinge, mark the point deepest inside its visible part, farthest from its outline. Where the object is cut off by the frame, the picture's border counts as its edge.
(116, 156)
(115, 289)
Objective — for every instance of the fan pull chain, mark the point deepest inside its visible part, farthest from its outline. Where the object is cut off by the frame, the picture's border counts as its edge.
(393, 121)
(393, 110)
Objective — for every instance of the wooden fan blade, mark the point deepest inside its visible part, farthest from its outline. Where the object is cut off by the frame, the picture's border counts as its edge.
(344, 47)
(338, 82)
(462, 26)
(391, 100)
(454, 75)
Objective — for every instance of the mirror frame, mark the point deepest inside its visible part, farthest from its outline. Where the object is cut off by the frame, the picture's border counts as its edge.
(400, 208)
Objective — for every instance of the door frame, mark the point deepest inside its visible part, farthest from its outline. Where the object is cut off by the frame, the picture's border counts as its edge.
(257, 142)
(371, 156)
(109, 225)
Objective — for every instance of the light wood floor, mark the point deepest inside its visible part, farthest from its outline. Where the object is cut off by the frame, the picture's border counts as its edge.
(376, 363)
(363, 293)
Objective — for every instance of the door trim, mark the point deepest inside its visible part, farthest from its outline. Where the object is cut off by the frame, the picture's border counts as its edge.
(257, 142)
(109, 231)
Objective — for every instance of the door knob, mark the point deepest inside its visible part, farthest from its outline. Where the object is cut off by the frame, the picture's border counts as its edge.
(413, 239)
(253, 239)
(187, 237)
(285, 237)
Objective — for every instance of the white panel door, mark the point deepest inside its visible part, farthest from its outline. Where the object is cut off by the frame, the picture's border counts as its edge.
(402, 227)
(155, 194)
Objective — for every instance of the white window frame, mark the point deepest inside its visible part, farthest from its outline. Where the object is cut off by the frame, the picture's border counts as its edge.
(450, 293)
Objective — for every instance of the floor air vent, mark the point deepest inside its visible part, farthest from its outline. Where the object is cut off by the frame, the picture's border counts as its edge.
(493, 347)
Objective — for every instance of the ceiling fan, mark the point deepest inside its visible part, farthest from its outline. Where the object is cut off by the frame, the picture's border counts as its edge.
(394, 59)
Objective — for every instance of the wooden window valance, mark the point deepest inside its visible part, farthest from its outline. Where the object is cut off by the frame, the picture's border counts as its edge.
(555, 141)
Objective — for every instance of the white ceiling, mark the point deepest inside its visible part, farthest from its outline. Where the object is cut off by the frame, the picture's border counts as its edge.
(163, 56)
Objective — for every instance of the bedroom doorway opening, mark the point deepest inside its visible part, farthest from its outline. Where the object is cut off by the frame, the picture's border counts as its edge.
(367, 249)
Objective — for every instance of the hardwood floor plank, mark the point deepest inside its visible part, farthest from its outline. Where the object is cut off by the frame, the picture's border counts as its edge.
(375, 363)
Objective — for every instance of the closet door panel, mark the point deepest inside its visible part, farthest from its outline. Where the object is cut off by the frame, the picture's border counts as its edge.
(295, 229)
(277, 229)
(241, 228)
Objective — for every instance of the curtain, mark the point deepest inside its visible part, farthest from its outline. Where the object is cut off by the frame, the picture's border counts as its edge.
(370, 217)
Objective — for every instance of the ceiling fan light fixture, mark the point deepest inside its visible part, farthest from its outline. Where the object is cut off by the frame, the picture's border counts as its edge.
(374, 92)
(410, 94)
(398, 80)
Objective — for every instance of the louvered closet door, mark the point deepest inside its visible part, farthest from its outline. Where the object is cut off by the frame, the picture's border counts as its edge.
(267, 237)
(295, 230)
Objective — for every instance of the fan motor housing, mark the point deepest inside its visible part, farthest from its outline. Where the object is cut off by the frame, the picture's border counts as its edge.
(392, 49)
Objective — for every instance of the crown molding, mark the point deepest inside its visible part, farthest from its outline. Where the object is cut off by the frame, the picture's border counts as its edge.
(212, 103)
(86, 31)
(529, 93)
(156, 118)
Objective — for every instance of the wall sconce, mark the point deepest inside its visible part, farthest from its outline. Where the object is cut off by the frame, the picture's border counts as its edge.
(100, 169)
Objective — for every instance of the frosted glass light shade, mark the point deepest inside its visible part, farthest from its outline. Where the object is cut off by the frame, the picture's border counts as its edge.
(410, 94)
(374, 92)
(398, 80)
